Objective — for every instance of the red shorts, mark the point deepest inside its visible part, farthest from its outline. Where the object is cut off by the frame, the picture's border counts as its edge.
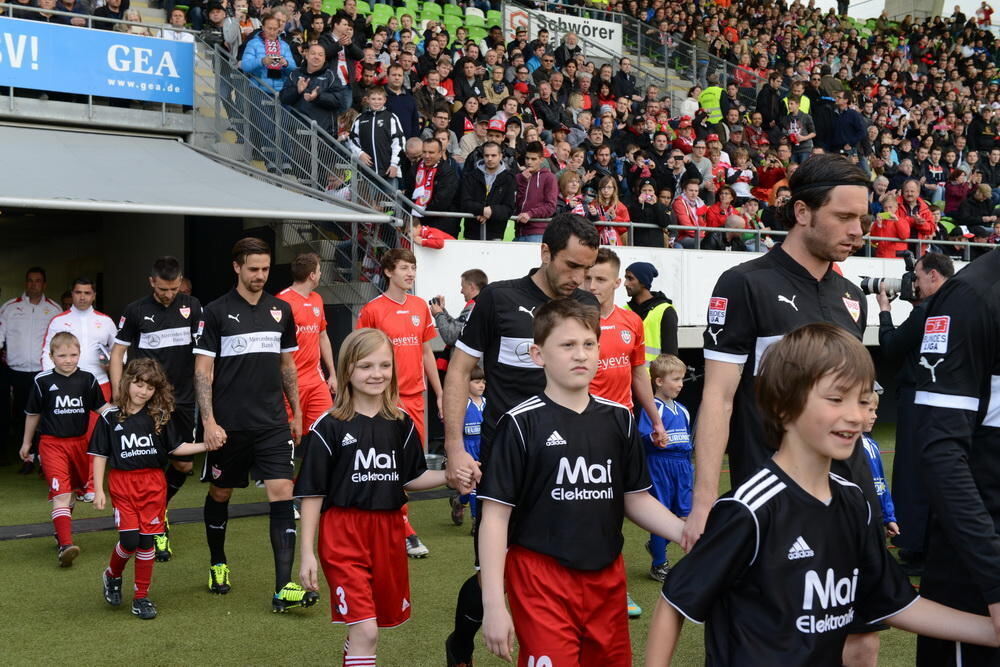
(363, 555)
(414, 406)
(314, 400)
(139, 498)
(65, 463)
(571, 617)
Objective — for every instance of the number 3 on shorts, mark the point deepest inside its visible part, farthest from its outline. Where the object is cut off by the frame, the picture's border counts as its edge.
(342, 596)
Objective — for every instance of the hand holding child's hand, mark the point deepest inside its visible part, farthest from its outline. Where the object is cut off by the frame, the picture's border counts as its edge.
(891, 529)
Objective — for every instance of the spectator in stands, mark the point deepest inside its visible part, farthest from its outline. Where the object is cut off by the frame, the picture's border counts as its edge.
(361, 25)
(849, 127)
(568, 49)
(267, 59)
(342, 52)
(112, 9)
(433, 187)
(546, 70)
(473, 140)
(647, 210)
(548, 111)
(537, 193)
(431, 98)
(377, 137)
(45, 15)
(978, 208)
(496, 88)
(313, 91)
(677, 171)
(173, 32)
(440, 120)
(688, 210)
(468, 84)
(464, 120)
(731, 239)
(488, 192)
(799, 129)
(623, 83)
(222, 32)
(991, 173)
(79, 9)
(400, 102)
(605, 209)
(916, 213)
(570, 193)
(450, 328)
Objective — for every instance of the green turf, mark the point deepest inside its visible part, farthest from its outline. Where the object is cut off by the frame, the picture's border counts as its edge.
(55, 616)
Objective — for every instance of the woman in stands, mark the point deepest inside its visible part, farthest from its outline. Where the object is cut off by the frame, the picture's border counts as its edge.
(606, 208)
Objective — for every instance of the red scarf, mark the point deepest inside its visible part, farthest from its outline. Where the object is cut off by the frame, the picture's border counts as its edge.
(423, 188)
(272, 49)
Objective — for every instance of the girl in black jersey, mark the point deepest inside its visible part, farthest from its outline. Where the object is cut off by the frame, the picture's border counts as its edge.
(133, 438)
(360, 459)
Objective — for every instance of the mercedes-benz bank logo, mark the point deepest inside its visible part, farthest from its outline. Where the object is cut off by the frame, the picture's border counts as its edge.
(523, 351)
(154, 340)
(239, 345)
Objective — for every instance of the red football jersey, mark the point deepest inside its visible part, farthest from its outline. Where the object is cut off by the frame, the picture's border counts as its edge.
(409, 325)
(623, 347)
(310, 321)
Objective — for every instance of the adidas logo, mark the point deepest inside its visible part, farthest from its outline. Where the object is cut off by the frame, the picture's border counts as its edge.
(53, 388)
(800, 549)
(155, 521)
(348, 440)
(555, 439)
(118, 427)
(406, 604)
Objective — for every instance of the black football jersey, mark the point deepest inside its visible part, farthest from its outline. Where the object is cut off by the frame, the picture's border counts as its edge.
(566, 476)
(64, 402)
(132, 444)
(247, 341)
(958, 432)
(164, 333)
(778, 575)
(365, 462)
(500, 332)
(752, 307)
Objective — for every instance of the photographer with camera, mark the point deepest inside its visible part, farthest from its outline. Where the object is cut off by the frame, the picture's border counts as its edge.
(900, 347)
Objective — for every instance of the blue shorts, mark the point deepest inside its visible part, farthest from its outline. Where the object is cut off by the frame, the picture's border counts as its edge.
(673, 482)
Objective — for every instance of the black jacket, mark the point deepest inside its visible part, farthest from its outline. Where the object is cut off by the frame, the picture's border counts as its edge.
(624, 85)
(380, 135)
(650, 214)
(899, 345)
(475, 196)
(404, 105)
(442, 197)
(550, 113)
(668, 325)
(971, 211)
(769, 105)
(331, 100)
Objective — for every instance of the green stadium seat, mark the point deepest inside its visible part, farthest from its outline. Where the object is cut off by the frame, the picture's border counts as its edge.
(364, 8)
(332, 6)
(475, 21)
(474, 11)
(494, 17)
(406, 10)
(381, 14)
(476, 33)
(431, 10)
(452, 23)
(452, 10)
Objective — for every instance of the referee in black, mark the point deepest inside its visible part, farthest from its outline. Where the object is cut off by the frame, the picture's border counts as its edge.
(756, 303)
(958, 435)
(162, 326)
(499, 333)
(244, 368)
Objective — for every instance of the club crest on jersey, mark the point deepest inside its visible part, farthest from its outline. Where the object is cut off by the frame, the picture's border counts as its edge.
(415, 319)
(185, 311)
(935, 335)
(626, 336)
(121, 322)
(276, 314)
(315, 311)
(216, 473)
(853, 307)
(717, 310)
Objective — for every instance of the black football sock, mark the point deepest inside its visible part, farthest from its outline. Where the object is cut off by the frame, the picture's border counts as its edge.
(282, 541)
(175, 480)
(216, 518)
(468, 619)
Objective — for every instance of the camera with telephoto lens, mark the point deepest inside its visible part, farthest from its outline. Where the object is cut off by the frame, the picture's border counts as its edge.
(904, 287)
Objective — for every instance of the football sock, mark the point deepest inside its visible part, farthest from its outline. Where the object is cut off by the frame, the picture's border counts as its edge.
(282, 541)
(119, 558)
(658, 548)
(468, 619)
(216, 517)
(406, 521)
(145, 556)
(359, 661)
(175, 480)
(62, 521)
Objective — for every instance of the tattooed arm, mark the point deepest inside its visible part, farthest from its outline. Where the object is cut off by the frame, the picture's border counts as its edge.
(204, 371)
(290, 385)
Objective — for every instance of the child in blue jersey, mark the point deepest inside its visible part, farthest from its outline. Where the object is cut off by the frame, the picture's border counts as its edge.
(471, 434)
(670, 466)
(878, 474)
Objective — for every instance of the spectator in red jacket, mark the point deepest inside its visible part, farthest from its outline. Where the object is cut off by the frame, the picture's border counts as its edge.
(537, 193)
(688, 209)
(917, 214)
(889, 225)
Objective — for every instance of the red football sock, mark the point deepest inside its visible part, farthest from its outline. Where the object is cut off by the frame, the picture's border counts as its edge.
(359, 661)
(143, 571)
(119, 558)
(62, 520)
(406, 520)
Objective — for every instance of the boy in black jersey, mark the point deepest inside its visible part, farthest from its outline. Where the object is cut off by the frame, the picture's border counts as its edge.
(59, 408)
(564, 471)
(133, 438)
(360, 459)
(790, 558)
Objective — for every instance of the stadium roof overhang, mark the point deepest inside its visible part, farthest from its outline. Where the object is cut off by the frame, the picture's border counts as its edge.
(89, 171)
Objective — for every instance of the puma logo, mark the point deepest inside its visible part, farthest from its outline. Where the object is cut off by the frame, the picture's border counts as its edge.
(926, 364)
(530, 312)
(149, 317)
(791, 302)
(714, 335)
(235, 317)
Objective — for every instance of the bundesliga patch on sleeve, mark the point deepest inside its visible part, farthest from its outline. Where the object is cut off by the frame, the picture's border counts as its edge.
(935, 335)
(717, 310)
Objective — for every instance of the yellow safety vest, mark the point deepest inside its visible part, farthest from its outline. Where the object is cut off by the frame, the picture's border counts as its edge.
(711, 101)
(651, 330)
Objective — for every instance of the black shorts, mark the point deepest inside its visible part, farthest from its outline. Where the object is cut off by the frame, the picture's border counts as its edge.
(262, 455)
(183, 420)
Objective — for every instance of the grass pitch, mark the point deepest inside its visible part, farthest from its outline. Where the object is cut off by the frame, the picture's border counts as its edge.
(58, 616)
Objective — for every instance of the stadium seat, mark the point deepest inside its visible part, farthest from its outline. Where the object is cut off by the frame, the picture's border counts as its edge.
(431, 10)
(406, 10)
(473, 11)
(475, 21)
(332, 6)
(381, 14)
(452, 23)
(494, 17)
(476, 33)
(452, 10)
